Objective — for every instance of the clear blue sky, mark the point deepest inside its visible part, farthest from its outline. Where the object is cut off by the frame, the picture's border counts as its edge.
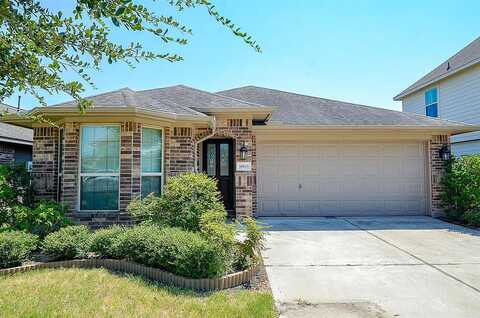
(358, 51)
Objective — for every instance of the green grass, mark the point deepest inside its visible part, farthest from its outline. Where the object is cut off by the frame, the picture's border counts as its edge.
(99, 293)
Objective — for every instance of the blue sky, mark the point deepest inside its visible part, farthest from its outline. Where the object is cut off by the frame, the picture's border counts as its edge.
(357, 51)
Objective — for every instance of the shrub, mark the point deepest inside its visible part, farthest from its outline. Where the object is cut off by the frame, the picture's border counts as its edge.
(186, 198)
(472, 217)
(461, 195)
(214, 228)
(68, 243)
(105, 242)
(15, 189)
(46, 217)
(16, 247)
(248, 247)
(177, 251)
(147, 209)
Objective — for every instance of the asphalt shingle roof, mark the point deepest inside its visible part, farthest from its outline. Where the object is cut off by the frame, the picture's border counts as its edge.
(127, 97)
(466, 56)
(297, 109)
(197, 99)
(12, 132)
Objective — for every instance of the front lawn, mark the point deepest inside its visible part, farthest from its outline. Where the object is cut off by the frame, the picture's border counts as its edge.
(98, 293)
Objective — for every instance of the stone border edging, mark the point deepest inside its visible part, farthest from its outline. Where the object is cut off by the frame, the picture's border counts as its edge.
(155, 274)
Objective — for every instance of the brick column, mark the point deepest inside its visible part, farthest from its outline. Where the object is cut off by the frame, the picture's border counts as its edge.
(45, 162)
(437, 172)
(70, 157)
(179, 151)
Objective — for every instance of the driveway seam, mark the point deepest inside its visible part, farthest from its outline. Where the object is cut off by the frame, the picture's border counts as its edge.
(414, 256)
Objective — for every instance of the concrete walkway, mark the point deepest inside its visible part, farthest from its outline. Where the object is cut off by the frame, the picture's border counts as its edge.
(373, 267)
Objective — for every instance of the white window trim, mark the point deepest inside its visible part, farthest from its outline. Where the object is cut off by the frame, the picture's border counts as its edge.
(102, 174)
(153, 174)
(438, 100)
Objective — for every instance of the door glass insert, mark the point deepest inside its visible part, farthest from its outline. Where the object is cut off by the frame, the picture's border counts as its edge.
(224, 160)
(211, 159)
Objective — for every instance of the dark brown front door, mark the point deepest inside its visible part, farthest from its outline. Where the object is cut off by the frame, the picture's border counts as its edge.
(218, 163)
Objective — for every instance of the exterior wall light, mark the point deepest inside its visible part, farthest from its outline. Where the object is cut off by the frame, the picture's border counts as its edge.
(445, 153)
(243, 151)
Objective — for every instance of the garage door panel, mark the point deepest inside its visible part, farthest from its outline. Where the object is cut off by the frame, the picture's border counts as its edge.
(335, 178)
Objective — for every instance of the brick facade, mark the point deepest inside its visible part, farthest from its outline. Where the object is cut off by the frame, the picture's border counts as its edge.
(45, 162)
(437, 170)
(179, 156)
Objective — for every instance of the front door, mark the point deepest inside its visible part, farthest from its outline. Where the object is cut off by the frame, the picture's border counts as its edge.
(218, 163)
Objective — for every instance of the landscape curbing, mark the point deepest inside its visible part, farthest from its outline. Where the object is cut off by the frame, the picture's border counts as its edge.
(154, 274)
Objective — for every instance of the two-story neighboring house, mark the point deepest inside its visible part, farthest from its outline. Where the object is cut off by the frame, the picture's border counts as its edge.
(452, 92)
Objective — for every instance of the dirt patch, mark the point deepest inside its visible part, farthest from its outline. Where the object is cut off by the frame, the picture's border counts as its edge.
(260, 280)
(332, 310)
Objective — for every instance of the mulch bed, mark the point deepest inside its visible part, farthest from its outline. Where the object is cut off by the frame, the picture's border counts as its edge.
(458, 222)
(260, 280)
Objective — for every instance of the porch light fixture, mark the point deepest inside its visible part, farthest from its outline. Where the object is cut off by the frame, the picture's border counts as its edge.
(445, 153)
(243, 152)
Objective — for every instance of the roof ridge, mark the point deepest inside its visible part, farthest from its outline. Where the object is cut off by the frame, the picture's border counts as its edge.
(223, 96)
(98, 95)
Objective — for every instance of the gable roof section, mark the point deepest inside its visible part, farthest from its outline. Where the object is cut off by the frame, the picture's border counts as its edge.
(11, 133)
(302, 110)
(200, 100)
(127, 97)
(468, 56)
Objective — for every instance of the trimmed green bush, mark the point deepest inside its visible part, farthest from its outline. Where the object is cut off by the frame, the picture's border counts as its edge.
(68, 242)
(16, 247)
(461, 195)
(46, 217)
(180, 252)
(105, 242)
(186, 197)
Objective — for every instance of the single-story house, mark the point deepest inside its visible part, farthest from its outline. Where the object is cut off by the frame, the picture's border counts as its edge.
(15, 142)
(274, 153)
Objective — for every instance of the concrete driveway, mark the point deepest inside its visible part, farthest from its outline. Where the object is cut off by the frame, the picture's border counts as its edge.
(373, 267)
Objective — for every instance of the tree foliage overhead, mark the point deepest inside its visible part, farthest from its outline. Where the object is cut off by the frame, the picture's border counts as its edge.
(38, 46)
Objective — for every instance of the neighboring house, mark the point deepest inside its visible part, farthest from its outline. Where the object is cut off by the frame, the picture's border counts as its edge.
(15, 142)
(273, 153)
(451, 91)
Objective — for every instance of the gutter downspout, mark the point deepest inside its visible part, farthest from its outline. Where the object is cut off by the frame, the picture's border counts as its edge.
(195, 156)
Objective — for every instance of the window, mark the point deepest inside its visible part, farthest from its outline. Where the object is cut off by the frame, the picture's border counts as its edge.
(151, 161)
(431, 102)
(99, 167)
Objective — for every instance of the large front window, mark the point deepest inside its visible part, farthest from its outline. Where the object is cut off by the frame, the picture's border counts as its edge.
(151, 161)
(99, 167)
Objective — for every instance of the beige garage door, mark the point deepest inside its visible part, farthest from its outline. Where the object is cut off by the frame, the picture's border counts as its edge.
(335, 179)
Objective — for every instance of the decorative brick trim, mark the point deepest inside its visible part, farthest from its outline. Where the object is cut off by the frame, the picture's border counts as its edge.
(437, 172)
(155, 274)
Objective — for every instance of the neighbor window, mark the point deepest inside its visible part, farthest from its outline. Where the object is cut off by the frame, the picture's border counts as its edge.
(431, 102)
(151, 161)
(99, 167)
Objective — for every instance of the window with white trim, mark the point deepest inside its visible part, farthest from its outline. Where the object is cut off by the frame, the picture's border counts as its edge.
(152, 172)
(99, 167)
(431, 102)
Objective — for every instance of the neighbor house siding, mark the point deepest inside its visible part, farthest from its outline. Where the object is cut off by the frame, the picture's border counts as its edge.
(7, 153)
(458, 100)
